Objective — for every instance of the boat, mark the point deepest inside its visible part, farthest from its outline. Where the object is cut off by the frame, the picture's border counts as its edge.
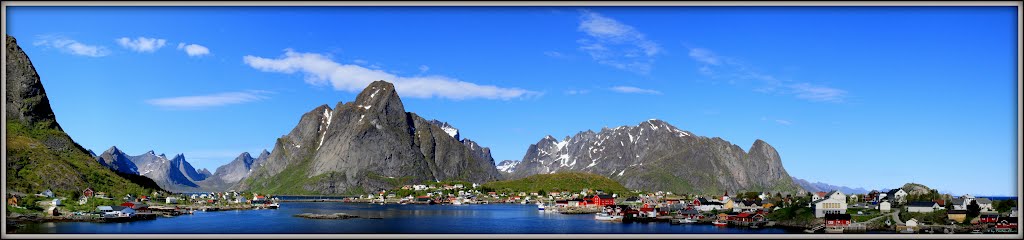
(718, 223)
(607, 217)
(540, 206)
(273, 206)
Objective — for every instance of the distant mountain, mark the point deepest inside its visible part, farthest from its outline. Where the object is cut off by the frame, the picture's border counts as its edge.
(369, 144)
(175, 174)
(824, 187)
(655, 155)
(507, 166)
(116, 160)
(39, 154)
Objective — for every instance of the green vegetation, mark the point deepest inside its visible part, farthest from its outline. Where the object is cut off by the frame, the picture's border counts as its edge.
(558, 182)
(40, 158)
(1004, 205)
(798, 212)
(935, 217)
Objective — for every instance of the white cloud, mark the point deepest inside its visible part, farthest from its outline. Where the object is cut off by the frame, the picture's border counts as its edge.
(424, 68)
(735, 71)
(616, 44)
(628, 89)
(783, 122)
(817, 93)
(71, 46)
(193, 50)
(141, 44)
(704, 56)
(319, 70)
(211, 100)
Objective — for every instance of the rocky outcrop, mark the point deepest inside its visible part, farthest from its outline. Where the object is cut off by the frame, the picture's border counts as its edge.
(39, 154)
(655, 155)
(369, 144)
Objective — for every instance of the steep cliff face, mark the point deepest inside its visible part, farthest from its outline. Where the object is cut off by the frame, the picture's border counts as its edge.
(655, 155)
(40, 155)
(369, 144)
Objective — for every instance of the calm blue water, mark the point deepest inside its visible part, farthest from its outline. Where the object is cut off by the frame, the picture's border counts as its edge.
(488, 218)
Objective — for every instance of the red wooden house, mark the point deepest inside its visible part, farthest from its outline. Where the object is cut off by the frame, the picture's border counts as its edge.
(988, 218)
(837, 220)
(748, 217)
(87, 192)
(602, 200)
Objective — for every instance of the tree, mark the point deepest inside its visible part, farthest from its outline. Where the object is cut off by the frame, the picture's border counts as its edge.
(973, 210)
(1005, 205)
(542, 192)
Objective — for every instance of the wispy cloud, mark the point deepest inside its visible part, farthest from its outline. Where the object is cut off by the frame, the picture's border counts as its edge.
(778, 121)
(577, 91)
(554, 54)
(194, 50)
(628, 89)
(734, 71)
(71, 46)
(424, 68)
(211, 100)
(320, 70)
(141, 44)
(615, 44)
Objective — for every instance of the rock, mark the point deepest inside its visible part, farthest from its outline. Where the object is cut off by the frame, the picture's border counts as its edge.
(325, 216)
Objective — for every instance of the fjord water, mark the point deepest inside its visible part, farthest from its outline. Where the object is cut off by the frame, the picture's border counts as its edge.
(396, 219)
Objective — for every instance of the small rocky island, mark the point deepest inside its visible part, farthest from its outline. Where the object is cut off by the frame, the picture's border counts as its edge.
(325, 216)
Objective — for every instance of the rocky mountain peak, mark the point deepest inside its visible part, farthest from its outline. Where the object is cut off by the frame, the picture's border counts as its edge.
(379, 97)
(26, 99)
(448, 128)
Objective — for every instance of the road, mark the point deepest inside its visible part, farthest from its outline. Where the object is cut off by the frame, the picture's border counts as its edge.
(896, 216)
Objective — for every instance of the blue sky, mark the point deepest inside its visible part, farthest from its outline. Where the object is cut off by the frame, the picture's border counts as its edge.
(868, 97)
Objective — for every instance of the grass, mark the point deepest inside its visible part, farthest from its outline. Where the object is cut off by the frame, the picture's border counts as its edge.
(33, 166)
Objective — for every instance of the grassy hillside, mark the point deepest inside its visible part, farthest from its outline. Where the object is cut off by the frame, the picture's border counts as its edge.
(40, 158)
(566, 181)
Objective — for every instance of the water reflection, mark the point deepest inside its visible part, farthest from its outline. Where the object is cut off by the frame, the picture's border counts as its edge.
(489, 218)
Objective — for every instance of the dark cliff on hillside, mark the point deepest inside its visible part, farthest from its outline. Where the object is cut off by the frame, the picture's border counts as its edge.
(40, 155)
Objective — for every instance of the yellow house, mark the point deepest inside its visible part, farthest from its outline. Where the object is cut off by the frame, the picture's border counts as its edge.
(13, 201)
(957, 215)
(727, 204)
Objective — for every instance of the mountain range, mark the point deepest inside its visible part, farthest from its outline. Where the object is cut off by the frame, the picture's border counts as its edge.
(373, 143)
(177, 174)
(824, 187)
(655, 155)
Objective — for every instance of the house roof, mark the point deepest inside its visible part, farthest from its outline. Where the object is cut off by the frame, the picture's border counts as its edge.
(956, 212)
(831, 192)
(922, 204)
(837, 217)
(958, 201)
(690, 212)
(104, 208)
(604, 196)
(983, 200)
(119, 208)
(633, 199)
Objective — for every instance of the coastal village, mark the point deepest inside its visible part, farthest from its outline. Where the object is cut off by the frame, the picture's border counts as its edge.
(893, 211)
